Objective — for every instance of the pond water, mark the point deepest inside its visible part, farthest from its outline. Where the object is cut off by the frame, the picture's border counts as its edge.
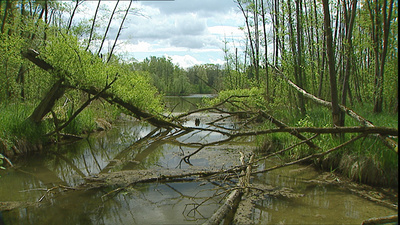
(34, 179)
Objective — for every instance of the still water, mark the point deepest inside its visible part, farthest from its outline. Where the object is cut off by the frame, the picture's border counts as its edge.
(162, 203)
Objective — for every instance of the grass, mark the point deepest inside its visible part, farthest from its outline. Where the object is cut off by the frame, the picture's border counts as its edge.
(15, 126)
(367, 160)
(17, 130)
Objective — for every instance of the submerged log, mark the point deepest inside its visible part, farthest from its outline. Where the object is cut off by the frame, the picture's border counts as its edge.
(228, 205)
(381, 220)
(131, 177)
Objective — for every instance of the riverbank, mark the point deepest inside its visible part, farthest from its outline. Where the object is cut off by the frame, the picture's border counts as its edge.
(20, 136)
(135, 147)
(368, 161)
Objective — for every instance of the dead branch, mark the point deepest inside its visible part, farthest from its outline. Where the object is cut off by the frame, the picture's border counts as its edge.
(283, 125)
(364, 122)
(381, 220)
(323, 130)
(315, 155)
(222, 211)
(242, 167)
(214, 107)
(291, 130)
(84, 105)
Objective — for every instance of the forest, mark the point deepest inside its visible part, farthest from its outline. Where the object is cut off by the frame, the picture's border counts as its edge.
(309, 67)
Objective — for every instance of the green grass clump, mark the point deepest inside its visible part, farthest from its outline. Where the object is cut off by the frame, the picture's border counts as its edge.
(367, 160)
(15, 126)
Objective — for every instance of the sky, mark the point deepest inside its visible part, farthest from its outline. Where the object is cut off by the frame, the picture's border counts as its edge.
(190, 32)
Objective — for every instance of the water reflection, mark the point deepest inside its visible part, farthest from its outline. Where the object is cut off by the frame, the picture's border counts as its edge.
(136, 145)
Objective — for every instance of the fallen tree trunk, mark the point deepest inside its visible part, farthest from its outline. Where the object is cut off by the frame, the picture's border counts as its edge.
(364, 122)
(381, 220)
(31, 55)
(47, 103)
(133, 110)
(324, 130)
(228, 205)
(283, 125)
(235, 196)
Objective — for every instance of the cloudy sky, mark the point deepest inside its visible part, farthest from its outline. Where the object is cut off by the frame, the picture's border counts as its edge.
(189, 31)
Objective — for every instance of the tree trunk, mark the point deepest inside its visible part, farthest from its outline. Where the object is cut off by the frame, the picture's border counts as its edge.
(265, 51)
(296, 57)
(348, 52)
(47, 103)
(256, 43)
(6, 10)
(380, 49)
(331, 63)
(93, 24)
(299, 54)
(108, 27)
(250, 38)
(72, 15)
(119, 31)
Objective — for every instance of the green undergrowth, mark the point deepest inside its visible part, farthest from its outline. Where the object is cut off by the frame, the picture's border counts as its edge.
(366, 160)
(16, 128)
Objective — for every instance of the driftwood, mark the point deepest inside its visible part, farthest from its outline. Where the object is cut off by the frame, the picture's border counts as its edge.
(129, 178)
(381, 220)
(219, 215)
(235, 196)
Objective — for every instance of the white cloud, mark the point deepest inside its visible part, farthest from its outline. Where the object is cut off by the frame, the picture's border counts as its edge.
(218, 61)
(189, 31)
(226, 30)
(185, 61)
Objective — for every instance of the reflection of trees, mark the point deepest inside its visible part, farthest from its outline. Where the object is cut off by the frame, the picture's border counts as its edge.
(145, 151)
(169, 199)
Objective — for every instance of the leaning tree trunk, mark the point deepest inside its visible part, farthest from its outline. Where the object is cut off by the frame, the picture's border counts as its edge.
(47, 103)
(55, 92)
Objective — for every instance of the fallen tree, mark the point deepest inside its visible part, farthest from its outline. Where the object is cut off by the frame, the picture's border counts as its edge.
(364, 122)
(59, 87)
(170, 128)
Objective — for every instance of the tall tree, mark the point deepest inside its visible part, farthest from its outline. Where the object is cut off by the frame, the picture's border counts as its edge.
(349, 15)
(119, 30)
(267, 79)
(252, 42)
(93, 25)
(336, 116)
(108, 27)
(296, 54)
(380, 14)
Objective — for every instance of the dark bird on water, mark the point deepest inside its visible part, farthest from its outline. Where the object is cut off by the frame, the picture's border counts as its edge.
(197, 121)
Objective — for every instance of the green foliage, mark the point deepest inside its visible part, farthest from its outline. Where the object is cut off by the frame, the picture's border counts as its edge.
(15, 126)
(252, 97)
(85, 70)
(1, 162)
(10, 61)
(173, 80)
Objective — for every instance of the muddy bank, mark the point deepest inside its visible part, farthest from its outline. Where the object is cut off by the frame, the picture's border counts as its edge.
(23, 147)
(362, 169)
